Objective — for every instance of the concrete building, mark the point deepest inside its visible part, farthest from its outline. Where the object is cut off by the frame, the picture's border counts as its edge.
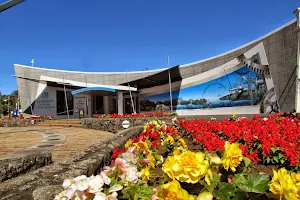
(258, 77)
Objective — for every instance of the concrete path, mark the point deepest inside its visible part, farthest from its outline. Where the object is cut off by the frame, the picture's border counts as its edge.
(48, 143)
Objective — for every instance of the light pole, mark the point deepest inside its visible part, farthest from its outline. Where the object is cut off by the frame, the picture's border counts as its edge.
(297, 99)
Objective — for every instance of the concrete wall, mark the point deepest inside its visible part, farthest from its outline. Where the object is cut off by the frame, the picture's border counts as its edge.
(280, 48)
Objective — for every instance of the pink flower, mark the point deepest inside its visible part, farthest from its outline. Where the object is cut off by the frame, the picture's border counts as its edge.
(229, 180)
(154, 197)
(120, 163)
(146, 161)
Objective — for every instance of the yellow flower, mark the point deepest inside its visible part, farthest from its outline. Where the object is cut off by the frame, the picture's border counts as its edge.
(213, 119)
(205, 196)
(167, 166)
(169, 139)
(178, 150)
(208, 176)
(187, 167)
(182, 142)
(296, 180)
(128, 144)
(146, 127)
(173, 191)
(141, 145)
(232, 156)
(282, 185)
(151, 159)
(145, 174)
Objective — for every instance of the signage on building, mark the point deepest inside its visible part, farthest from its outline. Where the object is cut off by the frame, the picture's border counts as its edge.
(81, 113)
(79, 102)
(45, 101)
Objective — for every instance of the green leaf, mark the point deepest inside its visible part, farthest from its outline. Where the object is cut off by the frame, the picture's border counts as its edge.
(276, 159)
(282, 161)
(225, 191)
(256, 183)
(213, 183)
(280, 155)
(247, 161)
(268, 160)
(273, 149)
(240, 196)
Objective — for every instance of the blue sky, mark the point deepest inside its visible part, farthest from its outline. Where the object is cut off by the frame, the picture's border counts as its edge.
(120, 35)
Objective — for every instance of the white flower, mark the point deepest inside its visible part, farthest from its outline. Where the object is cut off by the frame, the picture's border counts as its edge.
(112, 196)
(61, 196)
(67, 183)
(129, 156)
(79, 178)
(82, 185)
(100, 196)
(265, 119)
(70, 192)
(96, 183)
(105, 178)
(174, 120)
(161, 159)
(131, 175)
(115, 188)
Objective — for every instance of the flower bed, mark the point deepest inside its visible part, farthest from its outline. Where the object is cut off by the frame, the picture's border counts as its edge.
(271, 141)
(152, 114)
(164, 163)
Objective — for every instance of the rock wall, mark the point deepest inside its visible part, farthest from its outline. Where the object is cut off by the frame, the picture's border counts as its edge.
(15, 123)
(13, 167)
(113, 125)
(45, 183)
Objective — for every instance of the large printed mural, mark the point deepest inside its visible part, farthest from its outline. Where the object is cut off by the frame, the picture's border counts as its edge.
(248, 86)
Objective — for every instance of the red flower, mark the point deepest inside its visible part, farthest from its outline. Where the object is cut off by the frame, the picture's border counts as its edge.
(154, 143)
(116, 154)
(258, 138)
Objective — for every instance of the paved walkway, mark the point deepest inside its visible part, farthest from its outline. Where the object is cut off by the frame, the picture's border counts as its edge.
(62, 142)
(49, 142)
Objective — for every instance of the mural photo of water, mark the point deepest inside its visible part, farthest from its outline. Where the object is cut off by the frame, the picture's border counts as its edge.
(243, 87)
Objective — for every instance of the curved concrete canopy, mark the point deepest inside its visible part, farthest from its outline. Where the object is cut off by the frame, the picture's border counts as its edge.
(93, 89)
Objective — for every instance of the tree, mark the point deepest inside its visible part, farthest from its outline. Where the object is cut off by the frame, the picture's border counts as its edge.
(8, 102)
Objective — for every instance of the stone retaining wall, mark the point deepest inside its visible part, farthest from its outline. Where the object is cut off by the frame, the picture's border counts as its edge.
(15, 123)
(44, 183)
(13, 167)
(113, 125)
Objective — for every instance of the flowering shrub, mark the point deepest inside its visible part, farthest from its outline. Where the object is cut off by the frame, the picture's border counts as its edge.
(159, 164)
(152, 114)
(271, 140)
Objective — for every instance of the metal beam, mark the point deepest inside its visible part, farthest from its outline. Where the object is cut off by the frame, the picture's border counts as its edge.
(9, 4)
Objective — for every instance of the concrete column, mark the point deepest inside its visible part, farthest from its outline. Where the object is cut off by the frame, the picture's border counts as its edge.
(106, 104)
(120, 102)
(297, 100)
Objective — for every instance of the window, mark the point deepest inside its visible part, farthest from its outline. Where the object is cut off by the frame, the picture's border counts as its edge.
(61, 108)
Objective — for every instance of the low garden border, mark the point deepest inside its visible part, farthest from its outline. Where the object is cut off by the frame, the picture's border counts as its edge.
(44, 183)
(13, 167)
(114, 125)
(15, 123)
